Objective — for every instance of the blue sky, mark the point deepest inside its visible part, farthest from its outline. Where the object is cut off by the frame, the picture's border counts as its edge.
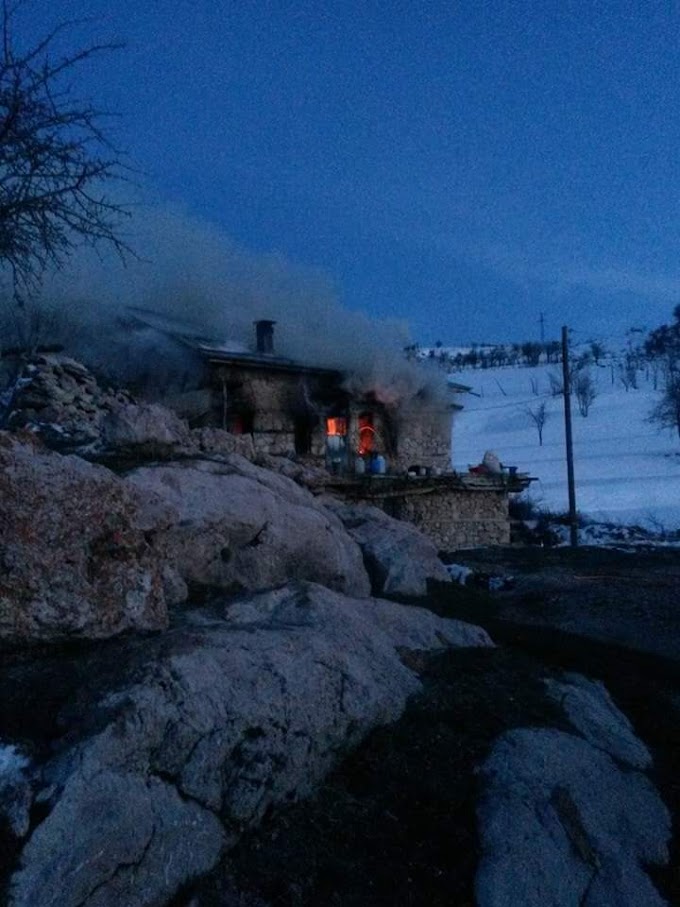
(464, 166)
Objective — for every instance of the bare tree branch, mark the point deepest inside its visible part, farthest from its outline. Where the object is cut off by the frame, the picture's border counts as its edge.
(55, 161)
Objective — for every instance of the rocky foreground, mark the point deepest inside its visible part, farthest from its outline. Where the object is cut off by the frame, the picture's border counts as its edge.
(193, 640)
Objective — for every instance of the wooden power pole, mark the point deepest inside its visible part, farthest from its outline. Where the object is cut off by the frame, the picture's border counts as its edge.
(573, 520)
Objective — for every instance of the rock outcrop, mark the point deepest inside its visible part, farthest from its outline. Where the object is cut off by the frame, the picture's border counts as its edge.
(216, 441)
(238, 711)
(15, 790)
(144, 430)
(228, 524)
(400, 560)
(571, 820)
(72, 563)
(306, 474)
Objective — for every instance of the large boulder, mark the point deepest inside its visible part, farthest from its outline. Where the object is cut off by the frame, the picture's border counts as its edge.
(400, 559)
(216, 441)
(568, 819)
(228, 524)
(145, 430)
(237, 711)
(309, 475)
(592, 712)
(71, 563)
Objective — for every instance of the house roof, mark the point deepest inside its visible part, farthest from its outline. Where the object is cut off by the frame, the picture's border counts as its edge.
(237, 354)
(223, 352)
(217, 354)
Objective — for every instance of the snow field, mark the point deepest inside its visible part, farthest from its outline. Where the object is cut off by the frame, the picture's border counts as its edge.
(626, 469)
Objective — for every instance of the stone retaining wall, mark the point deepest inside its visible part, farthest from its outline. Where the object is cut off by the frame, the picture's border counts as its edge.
(454, 511)
(455, 518)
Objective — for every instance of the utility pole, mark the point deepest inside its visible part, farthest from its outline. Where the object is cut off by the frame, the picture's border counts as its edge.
(573, 520)
(542, 320)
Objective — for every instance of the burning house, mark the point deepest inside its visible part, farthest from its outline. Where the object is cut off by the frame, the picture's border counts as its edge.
(314, 413)
(384, 441)
(390, 449)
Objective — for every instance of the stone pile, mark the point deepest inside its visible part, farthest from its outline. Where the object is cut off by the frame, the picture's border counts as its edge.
(61, 401)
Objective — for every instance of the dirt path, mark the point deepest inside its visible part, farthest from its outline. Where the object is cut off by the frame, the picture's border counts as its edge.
(631, 599)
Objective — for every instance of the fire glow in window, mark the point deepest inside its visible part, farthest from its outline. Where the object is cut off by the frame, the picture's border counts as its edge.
(336, 426)
(366, 434)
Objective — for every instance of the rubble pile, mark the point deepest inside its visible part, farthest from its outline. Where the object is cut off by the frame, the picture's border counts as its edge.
(60, 400)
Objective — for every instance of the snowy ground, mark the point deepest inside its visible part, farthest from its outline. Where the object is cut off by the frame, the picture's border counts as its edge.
(626, 470)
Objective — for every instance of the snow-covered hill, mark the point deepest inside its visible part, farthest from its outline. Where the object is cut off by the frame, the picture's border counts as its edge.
(626, 469)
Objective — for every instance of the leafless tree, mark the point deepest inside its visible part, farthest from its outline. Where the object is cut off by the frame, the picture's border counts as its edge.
(56, 164)
(556, 384)
(553, 351)
(539, 416)
(628, 374)
(598, 351)
(585, 390)
(666, 413)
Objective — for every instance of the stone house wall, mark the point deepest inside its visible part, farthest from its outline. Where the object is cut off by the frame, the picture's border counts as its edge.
(423, 437)
(271, 405)
(286, 410)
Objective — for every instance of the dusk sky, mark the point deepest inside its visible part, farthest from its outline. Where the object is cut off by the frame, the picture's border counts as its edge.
(464, 166)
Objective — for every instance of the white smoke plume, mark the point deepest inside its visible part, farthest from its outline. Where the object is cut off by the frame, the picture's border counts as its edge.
(192, 274)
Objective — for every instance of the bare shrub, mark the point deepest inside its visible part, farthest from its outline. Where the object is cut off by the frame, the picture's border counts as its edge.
(585, 391)
(539, 416)
(556, 384)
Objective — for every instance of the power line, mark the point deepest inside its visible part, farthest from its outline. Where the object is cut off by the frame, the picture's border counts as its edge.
(515, 402)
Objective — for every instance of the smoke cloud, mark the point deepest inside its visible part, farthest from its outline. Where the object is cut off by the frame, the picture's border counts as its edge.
(194, 276)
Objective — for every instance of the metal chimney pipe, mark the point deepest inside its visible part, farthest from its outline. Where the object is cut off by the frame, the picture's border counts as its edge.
(264, 335)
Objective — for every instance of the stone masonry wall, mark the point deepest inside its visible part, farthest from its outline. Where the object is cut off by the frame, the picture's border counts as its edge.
(454, 518)
(272, 401)
(272, 398)
(424, 438)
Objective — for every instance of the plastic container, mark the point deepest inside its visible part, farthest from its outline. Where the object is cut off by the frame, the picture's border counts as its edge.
(379, 465)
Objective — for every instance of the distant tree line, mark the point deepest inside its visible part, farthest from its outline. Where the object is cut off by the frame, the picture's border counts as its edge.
(652, 358)
(484, 356)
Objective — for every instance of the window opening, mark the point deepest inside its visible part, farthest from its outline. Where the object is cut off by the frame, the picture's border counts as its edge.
(367, 434)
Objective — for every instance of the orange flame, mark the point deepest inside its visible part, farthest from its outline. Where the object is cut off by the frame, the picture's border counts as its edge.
(336, 426)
